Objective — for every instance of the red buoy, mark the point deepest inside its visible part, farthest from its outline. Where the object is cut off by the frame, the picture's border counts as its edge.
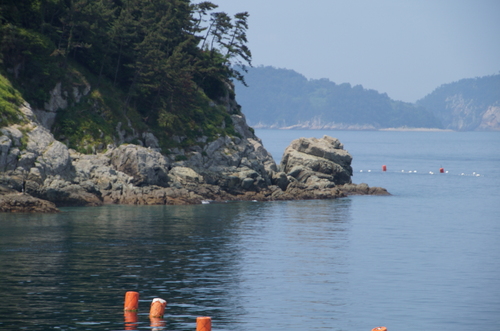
(203, 323)
(380, 328)
(384, 168)
(157, 308)
(441, 170)
(131, 301)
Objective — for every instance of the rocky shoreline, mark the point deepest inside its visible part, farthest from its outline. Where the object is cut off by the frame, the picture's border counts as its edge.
(39, 173)
(23, 203)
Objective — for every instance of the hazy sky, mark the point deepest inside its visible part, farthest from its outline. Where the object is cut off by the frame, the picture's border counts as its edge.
(405, 48)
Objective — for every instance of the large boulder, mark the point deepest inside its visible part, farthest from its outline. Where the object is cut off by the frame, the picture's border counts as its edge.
(317, 163)
(145, 165)
(65, 193)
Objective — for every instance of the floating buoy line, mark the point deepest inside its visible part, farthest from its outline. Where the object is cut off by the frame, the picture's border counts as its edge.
(437, 172)
(157, 310)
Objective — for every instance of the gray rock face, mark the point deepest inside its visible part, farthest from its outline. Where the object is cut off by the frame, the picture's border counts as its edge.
(146, 166)
(317, 163)
(59, 100)
(232, 163)
(490, 120)
(54, 161)
(228, 168)
(31, 160)
(471, 104)
(33, 146)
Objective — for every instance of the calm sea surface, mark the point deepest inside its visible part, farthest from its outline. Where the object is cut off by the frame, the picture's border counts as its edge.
(425, 258)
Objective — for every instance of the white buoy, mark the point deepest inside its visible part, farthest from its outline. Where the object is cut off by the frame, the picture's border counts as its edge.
(430, 172)
(369, 171)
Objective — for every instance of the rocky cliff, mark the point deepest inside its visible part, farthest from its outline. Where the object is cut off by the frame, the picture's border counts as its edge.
(471, 104)
(36, 165)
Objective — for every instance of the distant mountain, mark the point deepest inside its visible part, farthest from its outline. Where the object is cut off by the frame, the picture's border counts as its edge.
(282, 98)
(469, 104)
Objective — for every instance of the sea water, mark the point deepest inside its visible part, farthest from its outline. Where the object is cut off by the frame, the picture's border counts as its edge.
(426, 257)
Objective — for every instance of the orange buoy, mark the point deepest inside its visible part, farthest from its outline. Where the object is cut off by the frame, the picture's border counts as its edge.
(130, 320)
(131, 301)
(157, 308)
(441, 170)
(380, 328)
(384, 168)
(204, 323)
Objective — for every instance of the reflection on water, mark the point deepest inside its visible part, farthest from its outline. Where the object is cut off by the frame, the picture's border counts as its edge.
(157, 324)
(131, 319)
(426, 258)
(243, 264)
(295, 267)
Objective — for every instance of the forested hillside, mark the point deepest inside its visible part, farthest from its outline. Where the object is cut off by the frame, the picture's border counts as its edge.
(285, 98)
(468, 104)
(162, 66)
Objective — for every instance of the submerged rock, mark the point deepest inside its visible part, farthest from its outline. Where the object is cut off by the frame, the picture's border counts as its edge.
(362, 189)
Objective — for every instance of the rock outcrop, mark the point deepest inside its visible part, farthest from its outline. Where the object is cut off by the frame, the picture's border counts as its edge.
(15, 202)
(317, 162)
(471, 104)
(490, 120)
(321, 168)
(228, 168)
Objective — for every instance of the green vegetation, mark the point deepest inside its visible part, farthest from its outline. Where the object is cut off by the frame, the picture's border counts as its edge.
(284, 97)
(486, 90)
(162, 66)
(10, 100)
(24, 138)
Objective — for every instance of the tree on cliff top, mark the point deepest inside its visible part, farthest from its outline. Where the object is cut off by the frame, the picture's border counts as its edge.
(162, 54)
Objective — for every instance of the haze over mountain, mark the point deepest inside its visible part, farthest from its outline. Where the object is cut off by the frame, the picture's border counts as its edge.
(402, 48)
(283, 98)
(469, 104)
